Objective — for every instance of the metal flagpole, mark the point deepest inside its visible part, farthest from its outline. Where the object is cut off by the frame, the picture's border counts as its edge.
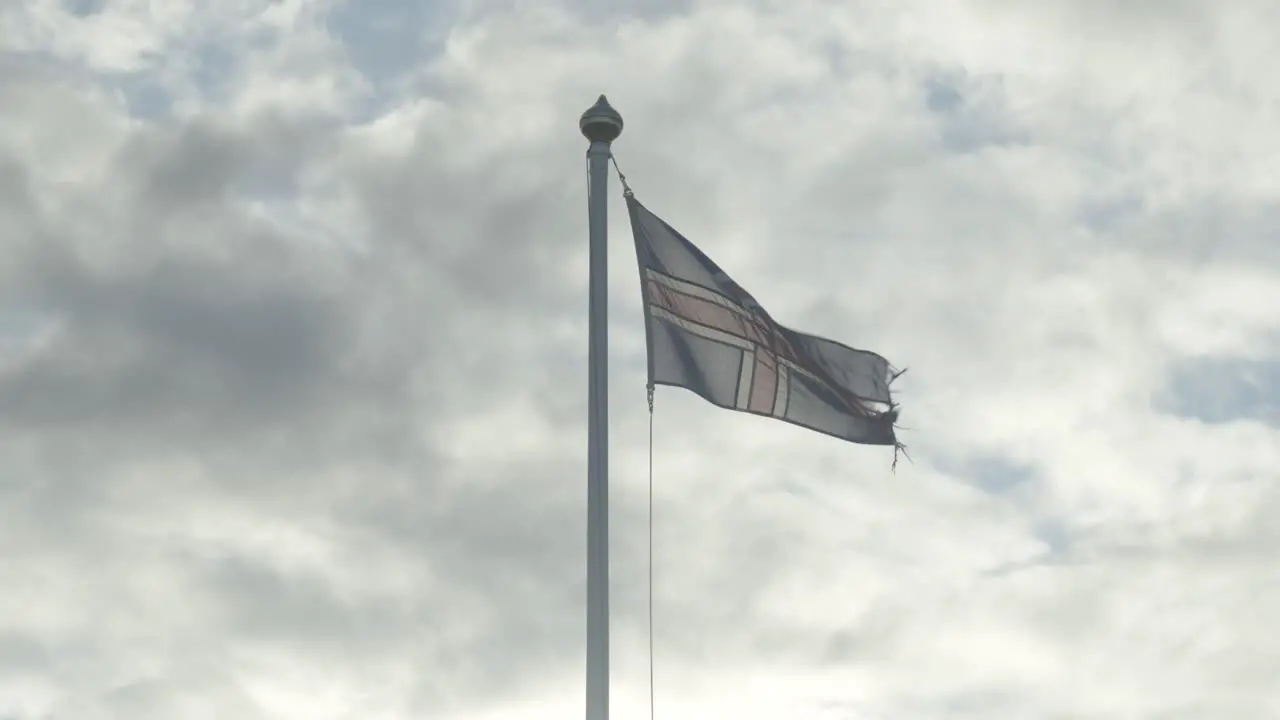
(601, 124)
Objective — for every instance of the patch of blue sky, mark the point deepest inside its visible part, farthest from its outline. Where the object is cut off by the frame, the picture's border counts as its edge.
(1104, 214)
(969, 113)
(1218, 390)
(387, 40)
(20, 326)
(1058, 543)
(988, 473)
(83, 8)
(150, 93)
(1015, 482)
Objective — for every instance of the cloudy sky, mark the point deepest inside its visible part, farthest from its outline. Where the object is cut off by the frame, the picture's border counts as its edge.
(293, 353)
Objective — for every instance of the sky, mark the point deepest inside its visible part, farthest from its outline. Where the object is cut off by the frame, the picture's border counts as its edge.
(293, 359)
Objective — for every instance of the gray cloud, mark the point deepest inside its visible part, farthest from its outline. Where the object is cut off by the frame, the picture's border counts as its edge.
(291, 381)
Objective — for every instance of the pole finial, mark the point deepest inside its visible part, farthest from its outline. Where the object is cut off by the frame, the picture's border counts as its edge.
(601, 123)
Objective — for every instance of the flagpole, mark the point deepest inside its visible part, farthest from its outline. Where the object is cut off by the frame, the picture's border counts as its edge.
(601, 124)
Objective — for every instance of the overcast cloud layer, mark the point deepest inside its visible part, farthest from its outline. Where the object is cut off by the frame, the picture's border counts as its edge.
(293, 353)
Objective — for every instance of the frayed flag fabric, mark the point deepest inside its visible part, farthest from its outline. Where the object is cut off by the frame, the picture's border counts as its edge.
(708, 335)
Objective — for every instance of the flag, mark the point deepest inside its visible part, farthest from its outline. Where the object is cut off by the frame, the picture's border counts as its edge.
(706, 334)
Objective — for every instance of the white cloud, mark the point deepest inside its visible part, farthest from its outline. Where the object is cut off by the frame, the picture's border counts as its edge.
(293, 396)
